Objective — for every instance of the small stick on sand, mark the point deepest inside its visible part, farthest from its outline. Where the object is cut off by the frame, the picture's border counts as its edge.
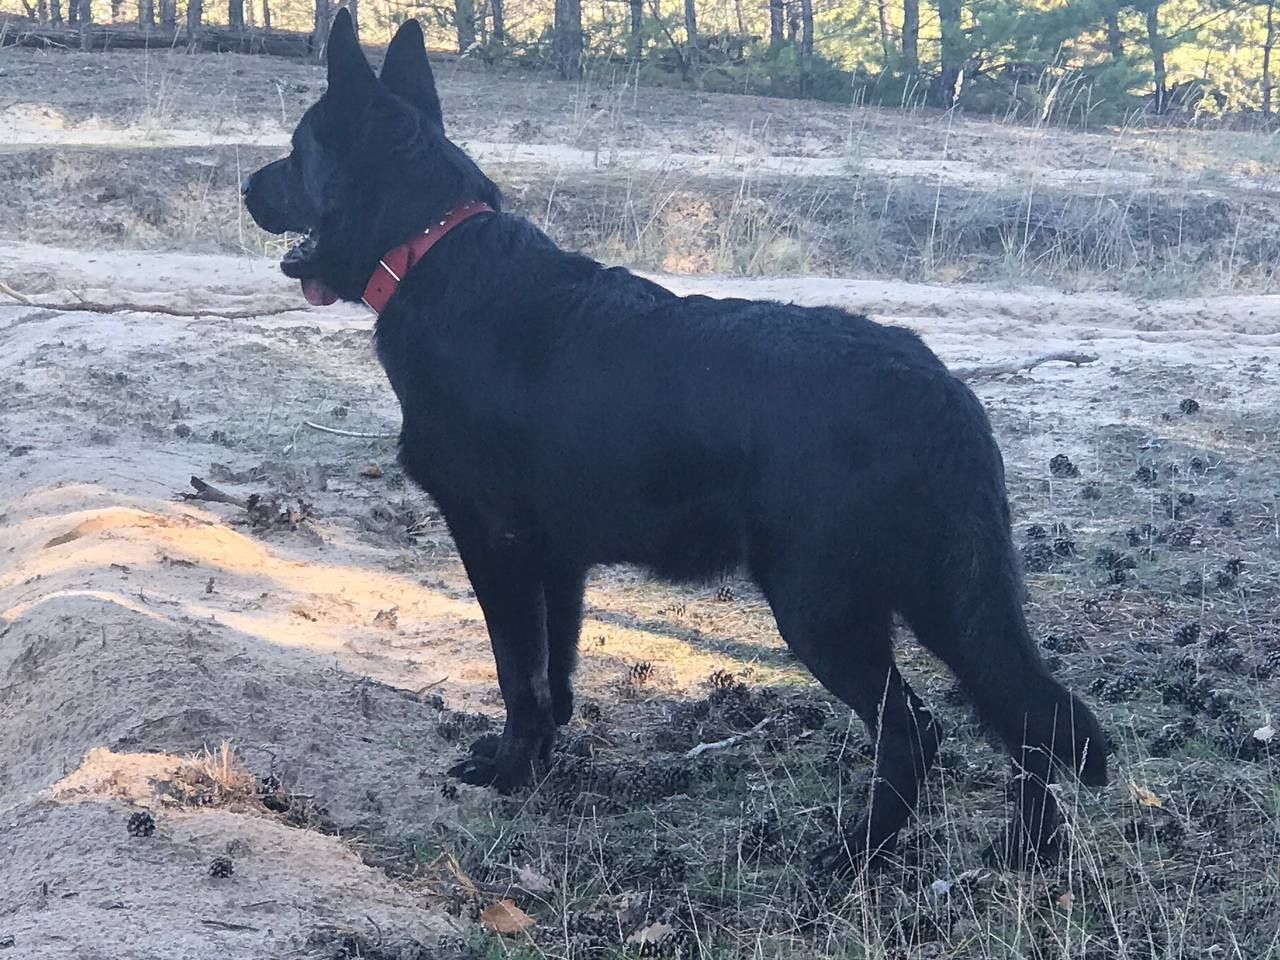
(728, 741)
(223, 925)
(89, 306)
(211, 494)
(986, 371)
(348, 433)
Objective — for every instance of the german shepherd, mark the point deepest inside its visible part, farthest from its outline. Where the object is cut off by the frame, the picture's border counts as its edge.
(563, 415)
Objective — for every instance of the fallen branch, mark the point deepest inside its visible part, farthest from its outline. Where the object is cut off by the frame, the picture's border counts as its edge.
(208, 493)
(728, 741)
(262, 511)
(90, 306)
(26, 31)
(349, 433)
(986, 371)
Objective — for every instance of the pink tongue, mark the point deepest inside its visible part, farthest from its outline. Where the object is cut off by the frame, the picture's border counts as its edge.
(318, 293)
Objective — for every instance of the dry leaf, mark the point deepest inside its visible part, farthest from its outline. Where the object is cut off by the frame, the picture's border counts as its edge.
(531, 880)
(1066, 900)
(506, 918)
(1265, 734)
(1144, 796)
(654, 933)
(371, 470)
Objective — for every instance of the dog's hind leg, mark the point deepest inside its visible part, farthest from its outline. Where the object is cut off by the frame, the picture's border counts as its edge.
(975, 625)
(848, 647)
(564, 589)
(508, 585)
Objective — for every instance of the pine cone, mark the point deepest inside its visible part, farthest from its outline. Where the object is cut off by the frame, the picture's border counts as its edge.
(1061, 466)
(220, 868)
(141, 824)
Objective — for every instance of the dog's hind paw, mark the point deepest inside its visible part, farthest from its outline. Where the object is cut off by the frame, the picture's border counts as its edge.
(1015, 851)
(846, 859)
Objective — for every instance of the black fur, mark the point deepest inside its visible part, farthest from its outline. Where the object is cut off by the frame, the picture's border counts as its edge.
(565, 415)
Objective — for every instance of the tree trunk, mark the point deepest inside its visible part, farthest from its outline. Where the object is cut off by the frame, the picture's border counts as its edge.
(886, 31)
(235, 14)
(266, 14)
(464, 15)
(566, 44)
(499, 23)
(169, 14)
(793, 22)
(73, 12)
(195, 17)
(1267, 46)
(806, 46)
(691, 28)
(952, 50)
(1115, 40)
(775, 25)
(1157, 54)
(55, 11)
(742, 24)
(322, 29)
(115, 10)
(86, 21)
(911, 36)
(635, 44)
(146, 14)
(42, 11)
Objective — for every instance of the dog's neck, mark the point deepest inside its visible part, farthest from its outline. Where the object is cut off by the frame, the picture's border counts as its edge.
(396, 263)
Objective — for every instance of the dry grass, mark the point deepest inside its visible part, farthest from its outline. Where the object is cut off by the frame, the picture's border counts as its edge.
(912, 194)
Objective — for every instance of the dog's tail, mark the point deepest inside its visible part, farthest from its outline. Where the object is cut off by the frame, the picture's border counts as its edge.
(969, 610)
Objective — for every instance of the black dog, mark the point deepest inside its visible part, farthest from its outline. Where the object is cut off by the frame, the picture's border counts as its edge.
(564, 415)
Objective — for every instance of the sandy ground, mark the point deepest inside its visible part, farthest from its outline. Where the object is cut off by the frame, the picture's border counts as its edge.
(137, 622)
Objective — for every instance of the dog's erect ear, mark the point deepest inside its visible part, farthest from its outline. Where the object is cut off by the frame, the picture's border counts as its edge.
(407, 73)
(350, 75)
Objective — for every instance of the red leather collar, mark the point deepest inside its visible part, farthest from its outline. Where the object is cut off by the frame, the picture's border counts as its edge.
(395, 265)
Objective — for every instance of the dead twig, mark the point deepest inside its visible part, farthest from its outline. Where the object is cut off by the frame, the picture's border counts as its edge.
(988, 370)
(348, 433)
(477, 888)
(211, 494)
(223, 925)
(727, 741)
(89, 306)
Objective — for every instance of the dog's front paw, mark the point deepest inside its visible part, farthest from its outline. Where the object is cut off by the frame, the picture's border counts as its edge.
(486, 747)
(499, 771)
(562, 705)
(475, 771)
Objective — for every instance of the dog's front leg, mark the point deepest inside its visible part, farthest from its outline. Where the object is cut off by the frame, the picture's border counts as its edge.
(507, 581)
